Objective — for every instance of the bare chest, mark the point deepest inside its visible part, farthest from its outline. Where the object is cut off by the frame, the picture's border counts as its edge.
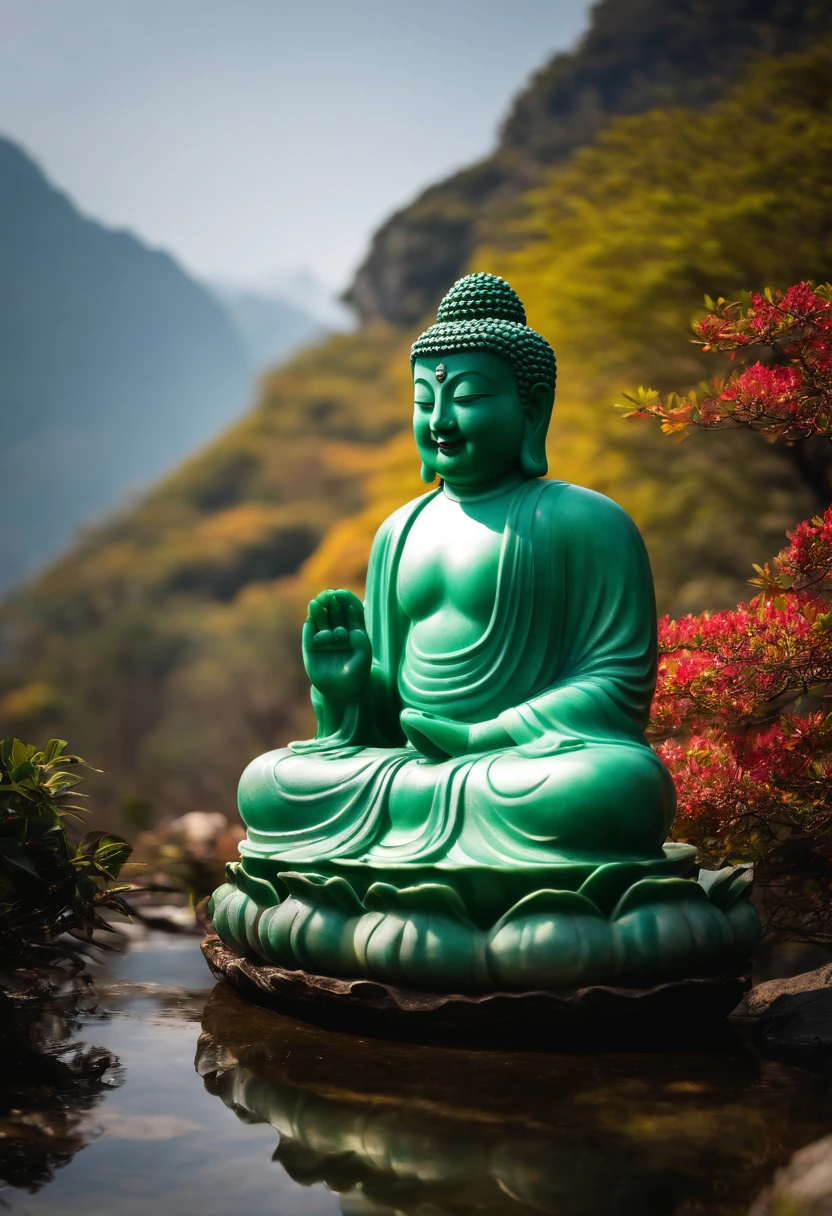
(447, 579)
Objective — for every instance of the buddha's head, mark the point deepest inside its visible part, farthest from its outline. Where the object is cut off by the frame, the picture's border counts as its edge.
(484, 387)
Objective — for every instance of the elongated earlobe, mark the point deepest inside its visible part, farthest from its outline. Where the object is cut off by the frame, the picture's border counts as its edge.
(538, 408)
(533, 460)
(427, 474)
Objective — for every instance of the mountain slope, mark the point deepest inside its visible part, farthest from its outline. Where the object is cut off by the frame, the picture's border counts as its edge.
(637, 54)
(114, 365)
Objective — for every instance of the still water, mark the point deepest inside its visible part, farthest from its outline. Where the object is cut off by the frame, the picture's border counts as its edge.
(221, 1108)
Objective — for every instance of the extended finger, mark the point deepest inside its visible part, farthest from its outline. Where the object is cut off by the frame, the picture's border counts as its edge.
(348, 597)
(355, 614)
(336, 616)
(319, 614)
(346, 602)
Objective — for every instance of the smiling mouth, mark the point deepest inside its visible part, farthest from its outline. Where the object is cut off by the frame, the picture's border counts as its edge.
(449, 445)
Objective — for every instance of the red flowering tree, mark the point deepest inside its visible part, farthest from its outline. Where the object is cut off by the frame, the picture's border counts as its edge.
(743, 708)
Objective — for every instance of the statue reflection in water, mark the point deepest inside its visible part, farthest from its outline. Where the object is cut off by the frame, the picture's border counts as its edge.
(435, 1130)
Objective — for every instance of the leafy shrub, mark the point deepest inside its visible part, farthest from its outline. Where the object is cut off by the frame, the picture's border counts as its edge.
(50, 888)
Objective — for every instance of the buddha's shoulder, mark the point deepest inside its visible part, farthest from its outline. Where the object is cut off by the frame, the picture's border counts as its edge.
(401, 517)
(567, 506)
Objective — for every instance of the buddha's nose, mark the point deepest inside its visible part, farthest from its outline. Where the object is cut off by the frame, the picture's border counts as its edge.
(442, 421)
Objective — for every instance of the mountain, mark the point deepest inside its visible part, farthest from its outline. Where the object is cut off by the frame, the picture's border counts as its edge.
(636, 54)
(305, 289)
(270, 327)
(115, 363)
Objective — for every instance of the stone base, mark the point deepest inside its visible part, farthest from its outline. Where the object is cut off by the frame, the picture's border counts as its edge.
(556, 1018)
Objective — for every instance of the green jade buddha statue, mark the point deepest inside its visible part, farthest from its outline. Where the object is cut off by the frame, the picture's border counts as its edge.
(480, 810)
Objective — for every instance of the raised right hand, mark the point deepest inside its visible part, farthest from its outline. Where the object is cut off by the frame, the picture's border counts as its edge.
(336, 649)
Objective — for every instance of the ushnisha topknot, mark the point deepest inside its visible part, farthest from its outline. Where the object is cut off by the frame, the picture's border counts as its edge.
(483, 312)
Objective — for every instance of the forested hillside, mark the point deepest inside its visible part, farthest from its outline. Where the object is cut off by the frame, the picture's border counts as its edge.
(636, 54)
(166, 645)
(115, 364)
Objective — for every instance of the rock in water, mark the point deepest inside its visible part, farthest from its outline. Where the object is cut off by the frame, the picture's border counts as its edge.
(803, 1187)
(797, 1029)
(762, 996)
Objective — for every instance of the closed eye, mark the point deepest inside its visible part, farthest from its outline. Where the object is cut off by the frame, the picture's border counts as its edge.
(423, 405)
(469, 398)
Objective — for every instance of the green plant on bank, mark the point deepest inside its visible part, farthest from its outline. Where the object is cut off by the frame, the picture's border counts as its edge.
(51, 889)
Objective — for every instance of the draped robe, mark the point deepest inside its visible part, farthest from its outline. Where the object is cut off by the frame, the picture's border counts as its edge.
(568, 665)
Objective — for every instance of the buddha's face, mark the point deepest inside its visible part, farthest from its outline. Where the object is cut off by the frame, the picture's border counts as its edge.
(468, 418)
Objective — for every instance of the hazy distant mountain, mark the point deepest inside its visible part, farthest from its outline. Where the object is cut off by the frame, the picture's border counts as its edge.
(271, 327)
(113, 365)
(282, 311)
(304, 289)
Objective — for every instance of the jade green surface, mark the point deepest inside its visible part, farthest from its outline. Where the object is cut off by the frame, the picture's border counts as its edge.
(479, 808)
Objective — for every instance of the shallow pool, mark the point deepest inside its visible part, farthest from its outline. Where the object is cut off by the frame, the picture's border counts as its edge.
(222, 1108)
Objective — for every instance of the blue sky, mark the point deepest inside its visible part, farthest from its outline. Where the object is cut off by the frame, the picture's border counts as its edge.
(253, 136)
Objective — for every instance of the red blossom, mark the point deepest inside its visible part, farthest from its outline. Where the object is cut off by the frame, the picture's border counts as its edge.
(806, 562)
(787, 394)
(741, 714)
(742, 665)
(763, 392)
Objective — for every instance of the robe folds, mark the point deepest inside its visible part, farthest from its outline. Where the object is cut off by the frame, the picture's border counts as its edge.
(568, 665)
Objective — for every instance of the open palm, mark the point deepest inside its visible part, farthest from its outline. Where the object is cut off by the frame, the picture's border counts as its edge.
(336, 649)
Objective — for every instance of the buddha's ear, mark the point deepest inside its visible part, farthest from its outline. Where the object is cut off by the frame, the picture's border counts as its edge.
(538, 409)
(427, 474)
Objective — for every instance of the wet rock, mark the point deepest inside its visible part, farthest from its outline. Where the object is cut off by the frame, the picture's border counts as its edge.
(797, 1029)
(803, 1187)
(762, 996)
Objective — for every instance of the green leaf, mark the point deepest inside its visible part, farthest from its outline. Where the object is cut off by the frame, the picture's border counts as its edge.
(20, 753)
(11, 854)
(117, 904)
(105, 851)
(22, 771)
(53, 748)
(73, 812)
(23, 791)
(87, 891)
(58, 782)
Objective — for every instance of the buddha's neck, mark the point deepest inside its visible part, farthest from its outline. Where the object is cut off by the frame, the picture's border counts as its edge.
(483, 489)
